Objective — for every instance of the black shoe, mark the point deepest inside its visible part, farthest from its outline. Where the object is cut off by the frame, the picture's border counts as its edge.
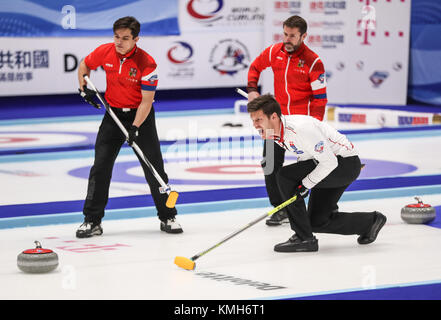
(372, 234)
(89, 229)
(295, 244)
(171, 226)
(278, 218)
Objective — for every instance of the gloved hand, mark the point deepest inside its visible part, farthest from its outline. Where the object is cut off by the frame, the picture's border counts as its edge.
(133, 135)
(88, 95)
(302, 191)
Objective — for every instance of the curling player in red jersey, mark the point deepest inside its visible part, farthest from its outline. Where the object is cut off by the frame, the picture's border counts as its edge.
(327, 164)
(131, 77)
(299, 87)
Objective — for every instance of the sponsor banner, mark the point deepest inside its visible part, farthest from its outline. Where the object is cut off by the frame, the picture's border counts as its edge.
(220, 15)
(205, 61)
(31, 66)
(357, 42)
(39, 18)
(381, 117)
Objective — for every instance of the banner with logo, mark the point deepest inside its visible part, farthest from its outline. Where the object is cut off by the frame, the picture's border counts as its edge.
(42, 66)
(203, 56)
(363, 44)
(220, 15)
(78, 18)
(204, 61)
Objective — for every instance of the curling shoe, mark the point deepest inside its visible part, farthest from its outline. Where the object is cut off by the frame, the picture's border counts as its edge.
(295, 244)
(89, 229)
(372, 234)
(171, 226)
(278, 218)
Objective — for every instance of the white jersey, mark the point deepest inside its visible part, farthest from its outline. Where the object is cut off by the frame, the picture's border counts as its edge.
(310, 138)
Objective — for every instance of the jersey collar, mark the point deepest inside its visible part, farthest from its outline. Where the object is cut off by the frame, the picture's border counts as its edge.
(281, 138)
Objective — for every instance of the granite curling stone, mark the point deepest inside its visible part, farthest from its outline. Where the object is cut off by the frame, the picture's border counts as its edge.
(38, 260)
(418, 213)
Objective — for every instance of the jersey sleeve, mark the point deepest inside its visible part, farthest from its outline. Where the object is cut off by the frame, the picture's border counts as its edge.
(316, 144)
(95, 58)
(318, 86)
(259, 64)
(149, 78)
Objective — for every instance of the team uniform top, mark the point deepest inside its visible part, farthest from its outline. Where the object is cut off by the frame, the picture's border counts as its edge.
(299, 79)
(310, 138)
(126, 75)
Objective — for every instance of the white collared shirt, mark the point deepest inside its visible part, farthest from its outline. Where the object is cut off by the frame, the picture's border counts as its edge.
(310, 138)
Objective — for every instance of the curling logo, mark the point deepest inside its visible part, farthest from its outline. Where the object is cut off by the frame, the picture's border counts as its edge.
(206, 11)
(180, 53)
(229, 57)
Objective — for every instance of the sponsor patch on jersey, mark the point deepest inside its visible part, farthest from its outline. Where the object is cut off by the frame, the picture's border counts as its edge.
(294, 148)
(319, 147)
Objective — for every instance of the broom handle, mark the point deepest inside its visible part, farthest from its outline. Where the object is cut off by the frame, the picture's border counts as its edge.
(252, 223)
(126, 134)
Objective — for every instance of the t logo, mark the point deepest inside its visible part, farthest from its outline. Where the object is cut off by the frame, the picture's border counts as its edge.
(368, 22)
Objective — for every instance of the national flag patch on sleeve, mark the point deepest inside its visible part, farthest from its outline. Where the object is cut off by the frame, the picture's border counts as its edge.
(149, 82)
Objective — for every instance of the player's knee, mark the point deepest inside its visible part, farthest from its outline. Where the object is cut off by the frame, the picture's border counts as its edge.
(318, 223)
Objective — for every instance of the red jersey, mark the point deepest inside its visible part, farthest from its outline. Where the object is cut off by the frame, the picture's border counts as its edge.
(299, 79)
(126, 75)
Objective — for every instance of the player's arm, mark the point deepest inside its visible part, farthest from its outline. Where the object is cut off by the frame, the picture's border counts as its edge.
(87, 94)
(82, 70)
(144, 107)
(149, 82)
(319, 100)
(316, 144)
(262, 62)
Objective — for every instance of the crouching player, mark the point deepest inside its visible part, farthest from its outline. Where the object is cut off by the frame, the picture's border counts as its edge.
(327, 164)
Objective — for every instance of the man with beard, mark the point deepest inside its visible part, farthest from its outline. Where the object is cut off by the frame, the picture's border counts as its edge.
(299, 87)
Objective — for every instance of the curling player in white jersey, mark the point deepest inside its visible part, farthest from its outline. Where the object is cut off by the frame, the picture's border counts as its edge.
(327, 163)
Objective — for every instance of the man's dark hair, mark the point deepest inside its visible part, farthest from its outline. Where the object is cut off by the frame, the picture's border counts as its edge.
(296, 22)
(266, 103)
(128, 22)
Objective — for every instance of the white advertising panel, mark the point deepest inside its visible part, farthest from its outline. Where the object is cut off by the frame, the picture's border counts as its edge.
(363, 44)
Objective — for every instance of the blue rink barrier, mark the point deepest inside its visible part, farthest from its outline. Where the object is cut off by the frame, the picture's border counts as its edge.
(39, 214)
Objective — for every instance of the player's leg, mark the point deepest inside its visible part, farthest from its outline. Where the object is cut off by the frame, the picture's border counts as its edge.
(108, 143)
(273, 158)
(148, 142)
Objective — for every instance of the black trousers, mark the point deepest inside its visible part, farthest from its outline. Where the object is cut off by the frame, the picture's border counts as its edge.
(273, 158)
(108, 144)
(322, 215)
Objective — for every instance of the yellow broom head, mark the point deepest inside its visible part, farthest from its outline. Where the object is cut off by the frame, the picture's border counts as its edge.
(185, 263)
(172, 198)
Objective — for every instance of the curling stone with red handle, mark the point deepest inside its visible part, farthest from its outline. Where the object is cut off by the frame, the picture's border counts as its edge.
(418, 213)
(38, 260)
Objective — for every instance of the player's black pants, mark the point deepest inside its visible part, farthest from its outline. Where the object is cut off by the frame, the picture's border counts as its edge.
(108, 143)
(273, 158)
(322, 215)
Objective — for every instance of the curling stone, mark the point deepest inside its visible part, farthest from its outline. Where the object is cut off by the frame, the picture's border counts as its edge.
(38, 260)
(418, 213)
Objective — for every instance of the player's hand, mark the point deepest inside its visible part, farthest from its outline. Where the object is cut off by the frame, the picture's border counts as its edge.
(88, 95)
(302, 191)
(252, 95)
(133, 135)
